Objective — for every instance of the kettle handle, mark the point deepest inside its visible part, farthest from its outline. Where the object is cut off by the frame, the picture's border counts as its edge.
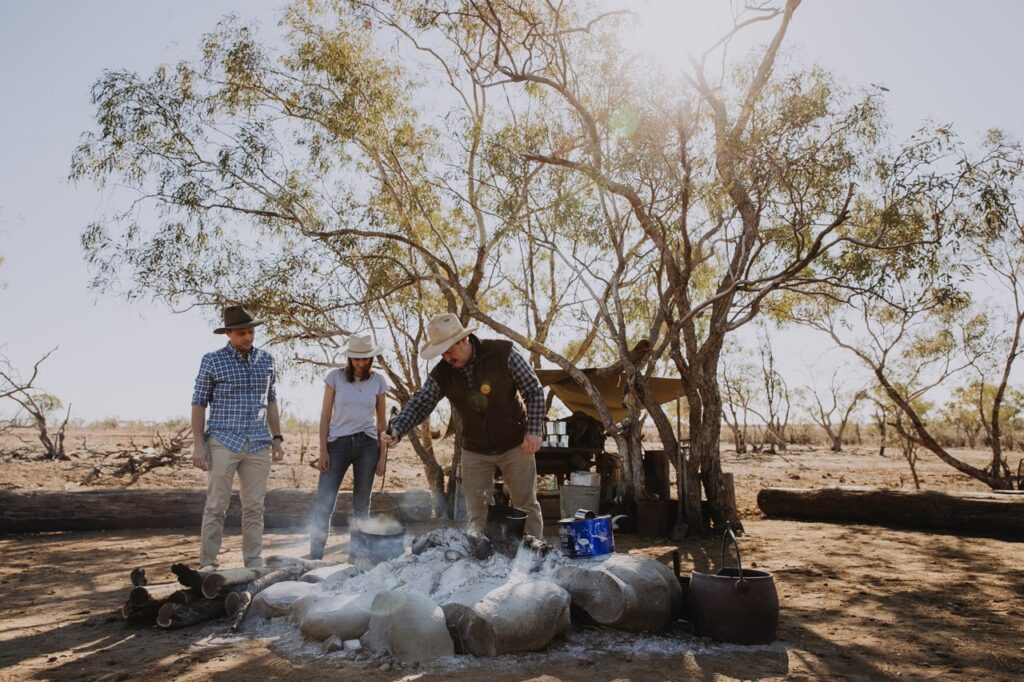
(726, 536)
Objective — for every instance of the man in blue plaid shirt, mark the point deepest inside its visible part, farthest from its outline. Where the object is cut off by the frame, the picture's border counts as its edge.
(237, 384)
(487, 382)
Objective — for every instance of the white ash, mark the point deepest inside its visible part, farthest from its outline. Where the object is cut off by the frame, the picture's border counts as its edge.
(466, 580)
(444, 580)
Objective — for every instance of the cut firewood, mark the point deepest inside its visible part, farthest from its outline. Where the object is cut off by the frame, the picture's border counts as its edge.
(237, 604)
(141, 595)
(219, 581)
(188, 577)
(183, 615)
(140, 615)
(138, 577)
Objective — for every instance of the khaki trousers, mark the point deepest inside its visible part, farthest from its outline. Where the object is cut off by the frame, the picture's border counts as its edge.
(253, 471)
(520, 473)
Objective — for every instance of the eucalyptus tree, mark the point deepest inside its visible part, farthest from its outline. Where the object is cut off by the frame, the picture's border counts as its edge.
(317, 180)
(297, 178)
(951, 304)
(738, 394)
(832, 407)
(735, 182)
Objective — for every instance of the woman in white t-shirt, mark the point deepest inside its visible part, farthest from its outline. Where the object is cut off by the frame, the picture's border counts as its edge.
(351, 417)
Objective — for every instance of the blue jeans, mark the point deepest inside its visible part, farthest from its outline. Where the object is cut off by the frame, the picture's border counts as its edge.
(360, 450)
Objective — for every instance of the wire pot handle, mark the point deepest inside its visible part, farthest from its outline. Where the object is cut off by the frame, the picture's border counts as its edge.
(726, 536)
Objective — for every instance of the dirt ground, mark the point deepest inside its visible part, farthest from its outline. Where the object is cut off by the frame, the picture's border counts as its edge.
(857, 602)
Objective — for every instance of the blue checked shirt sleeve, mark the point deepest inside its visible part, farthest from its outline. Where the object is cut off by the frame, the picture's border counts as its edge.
(203, 391)
(419, 407)
(530, 389)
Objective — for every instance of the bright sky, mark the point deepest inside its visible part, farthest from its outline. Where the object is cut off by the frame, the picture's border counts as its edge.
(950, 61)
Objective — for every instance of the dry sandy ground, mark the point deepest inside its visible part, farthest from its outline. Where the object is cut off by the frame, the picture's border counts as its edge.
(857, 602)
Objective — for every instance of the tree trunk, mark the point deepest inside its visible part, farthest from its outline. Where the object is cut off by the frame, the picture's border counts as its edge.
(705, 443)
(669, 443)
(424, 448)
(987, 514)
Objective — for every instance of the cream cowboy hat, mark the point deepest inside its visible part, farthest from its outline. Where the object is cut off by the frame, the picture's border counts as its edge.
(361, 347)
(442, 333)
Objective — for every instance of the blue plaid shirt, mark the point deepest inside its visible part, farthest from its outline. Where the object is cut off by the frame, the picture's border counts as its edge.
(238, 390)
(423, 402)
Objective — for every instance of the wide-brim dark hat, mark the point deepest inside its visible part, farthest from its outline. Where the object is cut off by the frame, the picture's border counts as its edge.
(237, 317)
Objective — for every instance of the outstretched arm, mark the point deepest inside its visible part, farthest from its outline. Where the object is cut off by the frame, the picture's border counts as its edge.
(419, 407)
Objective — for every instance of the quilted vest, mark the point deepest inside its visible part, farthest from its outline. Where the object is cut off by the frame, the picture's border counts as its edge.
(493, 418)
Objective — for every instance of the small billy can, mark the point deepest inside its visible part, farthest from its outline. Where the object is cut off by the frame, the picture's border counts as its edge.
(586, 534)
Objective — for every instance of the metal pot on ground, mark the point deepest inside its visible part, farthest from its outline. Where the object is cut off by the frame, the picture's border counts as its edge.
(735, 605)
(375, 547)
(379, 538)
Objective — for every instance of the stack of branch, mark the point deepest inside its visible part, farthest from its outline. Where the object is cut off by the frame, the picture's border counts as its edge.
(159, 453)
(199, 597)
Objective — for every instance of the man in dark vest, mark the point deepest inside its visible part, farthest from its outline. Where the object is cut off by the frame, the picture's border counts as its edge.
(487, 382)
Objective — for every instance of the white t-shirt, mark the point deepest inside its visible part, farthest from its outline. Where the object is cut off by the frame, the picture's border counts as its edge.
(354, 403)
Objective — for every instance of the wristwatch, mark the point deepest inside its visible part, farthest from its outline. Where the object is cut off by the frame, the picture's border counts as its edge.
(278, 437)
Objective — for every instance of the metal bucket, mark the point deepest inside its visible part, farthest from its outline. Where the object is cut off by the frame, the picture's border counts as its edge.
(375, 547)
(586, 537)
(734, 605)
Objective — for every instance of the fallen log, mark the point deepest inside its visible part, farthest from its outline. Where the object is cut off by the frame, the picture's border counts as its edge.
(986, 514)
(172, 616)
(30, 511)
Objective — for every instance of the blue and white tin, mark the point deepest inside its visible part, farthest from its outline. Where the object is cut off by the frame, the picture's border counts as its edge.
(586, 537)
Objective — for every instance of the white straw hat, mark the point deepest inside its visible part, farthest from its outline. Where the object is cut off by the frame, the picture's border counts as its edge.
(361, 347)
(442, 333)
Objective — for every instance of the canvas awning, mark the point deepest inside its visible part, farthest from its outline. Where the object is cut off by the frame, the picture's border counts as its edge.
(576, 399)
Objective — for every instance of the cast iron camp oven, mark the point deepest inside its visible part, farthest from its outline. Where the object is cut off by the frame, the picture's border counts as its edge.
(505, 523)
(375, 547)
(734, 605)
